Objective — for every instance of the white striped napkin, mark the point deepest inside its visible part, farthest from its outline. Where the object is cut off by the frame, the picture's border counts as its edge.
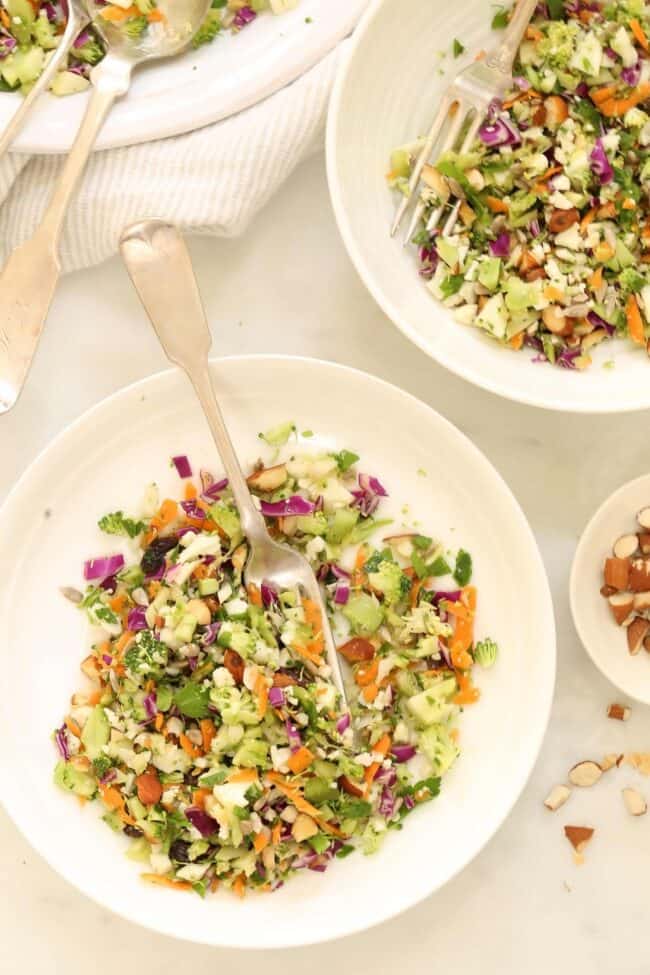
(211, 181)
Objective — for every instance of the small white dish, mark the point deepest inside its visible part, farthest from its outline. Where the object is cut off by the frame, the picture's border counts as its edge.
(386, 96)
(102, 462)
(604, 641)
(199, 87)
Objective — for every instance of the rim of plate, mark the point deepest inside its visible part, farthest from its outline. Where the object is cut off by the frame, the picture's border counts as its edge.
(453, 365)
(545, 699)
(193, 106)
(591, 528)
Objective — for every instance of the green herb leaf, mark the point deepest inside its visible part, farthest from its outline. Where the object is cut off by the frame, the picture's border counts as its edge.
(457, 48)
(500, 19)
(192, 700)
(452, 284)
(345, 459)
(463, 570)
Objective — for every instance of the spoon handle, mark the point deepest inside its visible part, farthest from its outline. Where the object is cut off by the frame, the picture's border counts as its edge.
(29, 278)
(160, 267)
(74, 26)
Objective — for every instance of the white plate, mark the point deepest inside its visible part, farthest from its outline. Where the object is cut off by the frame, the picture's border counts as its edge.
(604, 641)
(386, 95)
(102, 462)
(202, 86)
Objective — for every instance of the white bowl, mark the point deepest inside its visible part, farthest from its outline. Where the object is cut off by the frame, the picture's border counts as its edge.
(386, 95)
(101, 463)
(604, 641)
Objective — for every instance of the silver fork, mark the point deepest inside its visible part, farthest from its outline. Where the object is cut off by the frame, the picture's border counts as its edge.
(159, 265)
(465, 106)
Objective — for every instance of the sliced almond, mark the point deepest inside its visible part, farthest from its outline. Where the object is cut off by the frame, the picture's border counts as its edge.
(578, 836)
(639, 575)
(638, 760)
(585, 774)
(268, 478)
(618, 712)
(288, 525)
(621, 605)
(634, 802)
(303, 827)
(90, 667)
(641, 602)
(636, 634)
(238, 557)
(626, 546)
(555, 320)
(617, 573)
(437, 182)
(403, 544)
(643, 518)
(557, 797)
(610, 760)
(644, 543)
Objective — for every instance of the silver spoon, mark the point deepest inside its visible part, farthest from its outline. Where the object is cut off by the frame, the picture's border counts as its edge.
(159, 265)
(30, 276)
(78, 18)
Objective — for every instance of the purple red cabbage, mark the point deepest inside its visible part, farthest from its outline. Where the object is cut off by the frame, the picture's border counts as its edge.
(341, 593)
(276, 697)
(136, 619)
(61, 739)
(501, 246)
(632, 75)
(244, 16)
(295, 505)
(205, 824)
(343, 723)
(269, 595)
(182, 465)
(600, 164)
(402, 753)
(102, 567)
(368, 495)
(599, 322)
(499, 131)
(150, 706)
(211, 634)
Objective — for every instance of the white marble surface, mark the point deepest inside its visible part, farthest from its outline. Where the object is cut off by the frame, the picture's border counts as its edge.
(522, 906)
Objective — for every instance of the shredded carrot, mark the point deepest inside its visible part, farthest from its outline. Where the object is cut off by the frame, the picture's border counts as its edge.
(366, 672)
(628, 204)
(359, 562)
(615, 107)
(517, 341)
(588, 218)
(276, 832)
(154, 878)
(190, 491)
(260, 842)
(73, 727)
(165, 514)
(381, 747)
(254, 595)
(370, 692)
(239, 885)
(208, 731)
(467, 693)
(156, 16)
(496, 205)
(243, 775)
(607, 210)
(596, 279)
(599, 95)
(124, 641)
(533, 33)
(262, 694)
(188, 746)
(214, 884)
(639, 34)
(634, 320)
(94, 698)
(300, 760)
(307, 654)
(314, 619)
(117, 603)
(457, 609)
(530, 93)
(111, 797)
(4, 18)
(199, 796)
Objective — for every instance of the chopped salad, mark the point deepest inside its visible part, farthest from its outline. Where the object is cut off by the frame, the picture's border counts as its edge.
(30, 30)
(552, 247)
(212, 735)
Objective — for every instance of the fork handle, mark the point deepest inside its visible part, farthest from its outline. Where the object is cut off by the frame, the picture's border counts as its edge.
(504, 56)
(160, 267)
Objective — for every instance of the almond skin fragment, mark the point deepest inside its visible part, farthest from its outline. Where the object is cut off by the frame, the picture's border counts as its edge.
(634, 802)
(610, 761)
(268, 478)
(557, 797)
(621, 605)
(578, 836)
(626, 546)
(617, 573)
(618, 712)
(643, 518)
(585, 774)
(639, 575)
(636, 634)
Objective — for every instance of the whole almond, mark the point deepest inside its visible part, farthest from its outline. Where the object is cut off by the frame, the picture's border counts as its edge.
(644, 543)
(639, 575)
(149, 788)
(585, 774)
(643, 518)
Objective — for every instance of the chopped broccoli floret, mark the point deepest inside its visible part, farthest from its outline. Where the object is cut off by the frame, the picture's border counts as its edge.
(389, 580)
(485, 652)
(117, 524)
(147, 656)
